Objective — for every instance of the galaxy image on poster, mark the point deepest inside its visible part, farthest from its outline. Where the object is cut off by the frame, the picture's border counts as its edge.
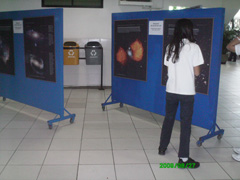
(203, 32)
(6, 47)
(39, 48)
(130, 49)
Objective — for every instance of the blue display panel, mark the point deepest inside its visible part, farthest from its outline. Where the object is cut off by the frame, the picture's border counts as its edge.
(38, 59)
(150, 94)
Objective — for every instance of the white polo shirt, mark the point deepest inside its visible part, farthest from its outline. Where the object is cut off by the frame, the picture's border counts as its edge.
(181, 78)
(237, 49)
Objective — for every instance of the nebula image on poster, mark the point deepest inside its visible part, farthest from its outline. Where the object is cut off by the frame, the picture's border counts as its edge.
(6, 47)
(130, 49)
(40, 48)
(203, 32)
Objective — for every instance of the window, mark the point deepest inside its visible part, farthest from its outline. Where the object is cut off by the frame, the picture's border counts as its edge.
(176, 7)
(73, 3)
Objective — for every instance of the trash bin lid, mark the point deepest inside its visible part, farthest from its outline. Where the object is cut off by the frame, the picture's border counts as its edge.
(70, 43)
(93, 44)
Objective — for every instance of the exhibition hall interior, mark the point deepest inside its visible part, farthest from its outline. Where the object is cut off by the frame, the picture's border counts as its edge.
(83, 90)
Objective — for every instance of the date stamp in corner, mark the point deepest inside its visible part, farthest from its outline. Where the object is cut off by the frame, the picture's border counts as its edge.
(177, 165)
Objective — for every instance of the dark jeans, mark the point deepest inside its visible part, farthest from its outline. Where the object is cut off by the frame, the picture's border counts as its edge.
(186, 112)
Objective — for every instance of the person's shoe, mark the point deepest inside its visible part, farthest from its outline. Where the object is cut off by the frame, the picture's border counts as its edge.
(236, 157)
(236, 150)
(190, 163)
(161, 151)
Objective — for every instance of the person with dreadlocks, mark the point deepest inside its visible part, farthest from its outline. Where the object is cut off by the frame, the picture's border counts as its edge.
(183, 58)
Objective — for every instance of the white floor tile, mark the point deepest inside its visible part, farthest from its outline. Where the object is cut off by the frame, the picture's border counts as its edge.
(5, 156)
(20, 173)
(221, 154)
(130, 143)
(96, 133)
(9, 144)
(69, 131)
(209, 171)
(62, 158)
(170, 173)
(96, 157)
(35, 144)
(96, 144)
(58, 172)
(13, 133)
(129, 157)
(232, 168)
(96, 172)
(28, 158)
(134, 172)
(170, 156)
(65, 145)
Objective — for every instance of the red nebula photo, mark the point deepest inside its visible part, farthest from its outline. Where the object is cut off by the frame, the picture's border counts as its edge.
(122, 56)
(137, 49)
(130, 49)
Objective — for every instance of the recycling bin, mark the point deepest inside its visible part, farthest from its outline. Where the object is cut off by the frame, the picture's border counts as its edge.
(71, 53)
(93, 53)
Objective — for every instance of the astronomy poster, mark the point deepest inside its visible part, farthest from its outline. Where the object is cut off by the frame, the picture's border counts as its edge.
(203, 31)
(6, 47)
(39, 44)
(130, 49)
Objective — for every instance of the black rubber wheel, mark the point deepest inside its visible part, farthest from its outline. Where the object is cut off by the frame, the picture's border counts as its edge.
(103, 108)
(71, 120)
(199, 143)
(50, 126)
(121, 105)
(219, 136)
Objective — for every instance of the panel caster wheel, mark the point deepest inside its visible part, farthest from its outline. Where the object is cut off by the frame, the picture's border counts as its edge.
(121, 105)
(199, 143)
(219, 136)
(50, 126)
(71, 120)
(103, 108)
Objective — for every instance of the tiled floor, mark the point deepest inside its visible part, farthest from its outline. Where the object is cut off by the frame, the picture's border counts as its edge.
(117, 144)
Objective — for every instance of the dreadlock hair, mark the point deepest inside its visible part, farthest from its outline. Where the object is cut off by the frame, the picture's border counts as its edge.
(183, 29)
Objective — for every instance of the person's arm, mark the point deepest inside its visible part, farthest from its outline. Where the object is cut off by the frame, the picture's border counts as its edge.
(197, 70)
(231, 45)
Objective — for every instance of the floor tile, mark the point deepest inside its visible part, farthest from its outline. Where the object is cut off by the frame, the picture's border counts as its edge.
(96, 172)
(171, 156)
(130, 143)
(62, 158)
(56, 172)
(96, 144)
(5, 156)
(221, 154)
(134, 172)
(35, 144)
(28, 158)
(20, 173)
(209, 171)
(96, 133)
(170, 173)
(13, 133)
(96, 157)
(65, 144)
(129, 157)
(232, 168)
(9, 144)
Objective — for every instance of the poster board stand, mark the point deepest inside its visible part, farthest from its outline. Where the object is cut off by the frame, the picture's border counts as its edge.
(61, 118)
(30, 73)
(139, 75)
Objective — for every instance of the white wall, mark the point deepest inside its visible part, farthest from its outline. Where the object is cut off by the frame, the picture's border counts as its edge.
(86, 24)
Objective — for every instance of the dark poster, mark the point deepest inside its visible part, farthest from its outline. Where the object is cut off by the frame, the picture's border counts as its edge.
(130, 49)
(6, 47)
(40, 48)
(203, 30)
